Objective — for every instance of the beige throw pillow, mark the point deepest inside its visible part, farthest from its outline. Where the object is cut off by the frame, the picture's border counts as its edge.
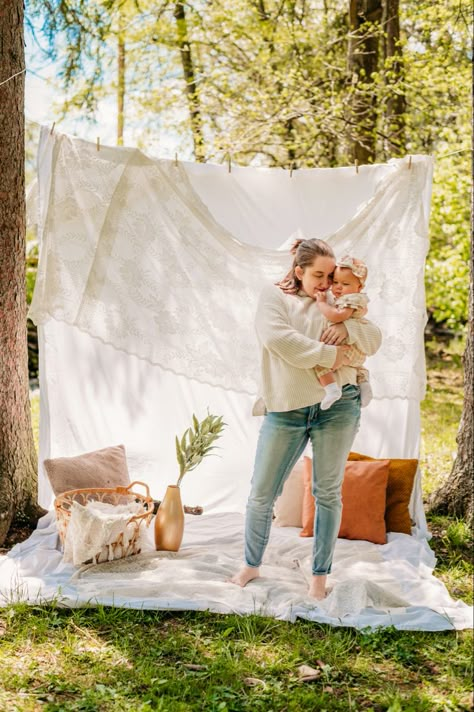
(101, 468)
(289, 505)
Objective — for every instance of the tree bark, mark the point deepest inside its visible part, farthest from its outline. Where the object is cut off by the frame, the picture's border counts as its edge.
(18, 461)
(395, 106)
(456, 496)
(190, 79)
(362, 62)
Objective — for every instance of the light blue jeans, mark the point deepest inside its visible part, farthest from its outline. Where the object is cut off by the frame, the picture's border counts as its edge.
(282, 440)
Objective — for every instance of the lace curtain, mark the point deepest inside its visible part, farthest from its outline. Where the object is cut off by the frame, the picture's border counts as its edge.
(132, 256)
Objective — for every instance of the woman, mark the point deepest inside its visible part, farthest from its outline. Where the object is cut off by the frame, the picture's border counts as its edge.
(289, 326)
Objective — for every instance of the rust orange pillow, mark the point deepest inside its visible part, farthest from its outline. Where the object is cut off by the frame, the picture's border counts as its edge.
(309, 509)
(401, 475)
(363, 501)
(288, 506)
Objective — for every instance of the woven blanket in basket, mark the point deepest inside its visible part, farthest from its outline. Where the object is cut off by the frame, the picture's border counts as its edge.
(99, 531)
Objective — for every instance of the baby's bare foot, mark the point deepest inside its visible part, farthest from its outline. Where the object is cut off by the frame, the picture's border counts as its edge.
(246, 574)
(317, 587)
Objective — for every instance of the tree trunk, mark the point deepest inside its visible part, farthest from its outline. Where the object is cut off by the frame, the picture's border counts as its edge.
(120, 82)
(456, 495)
(189, 77)
(18, 462)
(362, 61)
(395, 106)
(288, 128)
(290, 142)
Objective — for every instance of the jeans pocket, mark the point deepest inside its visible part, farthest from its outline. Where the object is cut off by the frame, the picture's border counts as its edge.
(350, 392)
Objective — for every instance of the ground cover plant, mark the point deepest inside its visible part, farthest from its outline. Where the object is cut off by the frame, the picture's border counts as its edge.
(115, 659)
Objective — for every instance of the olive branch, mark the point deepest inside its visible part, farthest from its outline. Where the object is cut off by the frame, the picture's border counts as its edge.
(197, 442)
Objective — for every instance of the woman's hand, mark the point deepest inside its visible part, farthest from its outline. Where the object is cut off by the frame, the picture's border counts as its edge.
(341, 357)
(334, 334)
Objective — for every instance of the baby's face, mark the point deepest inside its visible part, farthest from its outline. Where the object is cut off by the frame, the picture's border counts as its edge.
(344, 281)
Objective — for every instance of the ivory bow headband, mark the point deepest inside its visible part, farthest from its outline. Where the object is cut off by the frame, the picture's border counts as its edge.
(357, 267)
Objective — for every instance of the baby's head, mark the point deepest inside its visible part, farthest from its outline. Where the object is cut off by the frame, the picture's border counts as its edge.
(349, 276)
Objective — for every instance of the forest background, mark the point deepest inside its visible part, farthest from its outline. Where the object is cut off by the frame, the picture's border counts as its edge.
(289, 84)
(285, 83)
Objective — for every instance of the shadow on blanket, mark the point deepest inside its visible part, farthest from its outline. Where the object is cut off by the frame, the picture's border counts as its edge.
(371, 585)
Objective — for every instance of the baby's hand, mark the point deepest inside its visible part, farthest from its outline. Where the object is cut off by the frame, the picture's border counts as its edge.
(321, 296)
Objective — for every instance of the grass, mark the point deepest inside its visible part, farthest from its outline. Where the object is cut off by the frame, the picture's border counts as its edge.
(440, 416)
(35, 414)
(441, 412)
(117, 659)
(101, 659)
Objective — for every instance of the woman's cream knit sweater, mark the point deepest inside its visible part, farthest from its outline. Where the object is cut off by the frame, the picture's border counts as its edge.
(288, 329)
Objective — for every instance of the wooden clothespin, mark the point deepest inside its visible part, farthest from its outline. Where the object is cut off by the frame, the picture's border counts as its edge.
(98, 143)
(229, 163)
(356, 163)
(52, 128)
(176, 160)
(409, 162)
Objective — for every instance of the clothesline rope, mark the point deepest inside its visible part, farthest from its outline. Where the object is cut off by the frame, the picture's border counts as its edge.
(12, 77)
(437, 157)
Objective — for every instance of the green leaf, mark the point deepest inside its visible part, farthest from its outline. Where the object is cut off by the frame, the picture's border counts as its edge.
(183, 440)
(198, 443)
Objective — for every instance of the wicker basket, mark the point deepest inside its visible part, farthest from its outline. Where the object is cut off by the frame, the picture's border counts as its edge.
(116, 496)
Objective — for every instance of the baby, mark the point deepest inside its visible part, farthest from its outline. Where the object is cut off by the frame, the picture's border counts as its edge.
(348, 302)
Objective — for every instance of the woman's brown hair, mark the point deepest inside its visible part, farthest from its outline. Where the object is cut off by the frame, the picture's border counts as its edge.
(305, 252)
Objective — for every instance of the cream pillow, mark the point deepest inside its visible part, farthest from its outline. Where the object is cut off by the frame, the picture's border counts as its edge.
(101, 468)
(289, 505)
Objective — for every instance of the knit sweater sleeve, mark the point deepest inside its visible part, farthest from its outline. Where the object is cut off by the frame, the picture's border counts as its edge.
(280, 338)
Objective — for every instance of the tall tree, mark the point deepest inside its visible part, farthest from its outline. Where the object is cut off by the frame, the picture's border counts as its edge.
(456, 495)
(192, 92)
(395, 102)
(18, 461)
(363, 64)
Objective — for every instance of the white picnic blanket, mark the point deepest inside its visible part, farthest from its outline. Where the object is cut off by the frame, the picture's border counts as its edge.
(371, 585)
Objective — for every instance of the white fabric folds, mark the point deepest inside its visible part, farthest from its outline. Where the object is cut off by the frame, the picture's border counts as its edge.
(131, 255)
(148, 279)
(371, 585)
(147, 285)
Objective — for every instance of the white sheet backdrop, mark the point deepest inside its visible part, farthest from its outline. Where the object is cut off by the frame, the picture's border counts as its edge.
(146, 292)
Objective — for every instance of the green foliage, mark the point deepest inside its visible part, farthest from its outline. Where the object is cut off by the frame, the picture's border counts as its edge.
(31, 269)
(274, 88)
(458, 535)
(447, 267)
(441, 412)
(438, 65)
(197, 442)
(35, 411)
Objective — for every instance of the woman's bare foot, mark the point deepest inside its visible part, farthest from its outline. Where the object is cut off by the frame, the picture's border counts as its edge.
(317, 587)
(246, 574)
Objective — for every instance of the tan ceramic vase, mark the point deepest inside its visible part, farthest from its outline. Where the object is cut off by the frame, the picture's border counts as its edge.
(169, 521)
